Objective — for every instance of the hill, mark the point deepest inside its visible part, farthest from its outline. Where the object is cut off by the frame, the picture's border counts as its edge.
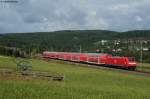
(60, 40)
(66, 40)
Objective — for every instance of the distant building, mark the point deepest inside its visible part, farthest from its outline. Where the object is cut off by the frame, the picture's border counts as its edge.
(103, 42)
(145, 49)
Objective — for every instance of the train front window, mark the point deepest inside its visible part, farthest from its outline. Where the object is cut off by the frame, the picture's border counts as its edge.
(131, 59)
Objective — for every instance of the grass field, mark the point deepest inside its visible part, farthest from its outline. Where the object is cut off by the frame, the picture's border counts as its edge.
(144, 67)
(79, 83)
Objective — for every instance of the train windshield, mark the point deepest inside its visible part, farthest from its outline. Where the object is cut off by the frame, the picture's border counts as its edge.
(132, 59)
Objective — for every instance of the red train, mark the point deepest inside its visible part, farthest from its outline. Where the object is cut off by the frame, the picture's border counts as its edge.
(94, 58)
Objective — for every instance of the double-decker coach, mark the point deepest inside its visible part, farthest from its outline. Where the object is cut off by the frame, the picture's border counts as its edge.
(94, 58)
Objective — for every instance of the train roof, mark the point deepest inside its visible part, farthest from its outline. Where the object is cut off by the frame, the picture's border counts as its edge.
(91, 54)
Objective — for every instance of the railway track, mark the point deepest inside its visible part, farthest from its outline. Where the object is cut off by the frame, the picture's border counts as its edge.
(136, 72)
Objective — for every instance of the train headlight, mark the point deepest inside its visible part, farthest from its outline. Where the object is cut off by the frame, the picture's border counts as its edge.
(132, 63)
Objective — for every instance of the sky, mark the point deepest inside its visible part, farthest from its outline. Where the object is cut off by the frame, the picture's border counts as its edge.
(55, 15)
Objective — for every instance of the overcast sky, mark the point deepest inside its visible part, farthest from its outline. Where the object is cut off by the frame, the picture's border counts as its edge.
(53, 15)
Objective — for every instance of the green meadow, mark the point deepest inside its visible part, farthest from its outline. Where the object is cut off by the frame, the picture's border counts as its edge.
(79, 83)
(144, 67)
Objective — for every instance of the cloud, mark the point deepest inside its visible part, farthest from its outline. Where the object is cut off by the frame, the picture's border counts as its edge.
(51, 15)
(120, 7)
(138, 18)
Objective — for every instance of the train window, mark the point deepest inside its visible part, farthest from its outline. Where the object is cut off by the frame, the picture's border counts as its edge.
(131, 58)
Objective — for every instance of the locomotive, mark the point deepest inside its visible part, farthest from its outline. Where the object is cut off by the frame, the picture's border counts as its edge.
(94, 58)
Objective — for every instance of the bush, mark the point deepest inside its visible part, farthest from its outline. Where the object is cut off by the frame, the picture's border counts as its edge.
(23, 65)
